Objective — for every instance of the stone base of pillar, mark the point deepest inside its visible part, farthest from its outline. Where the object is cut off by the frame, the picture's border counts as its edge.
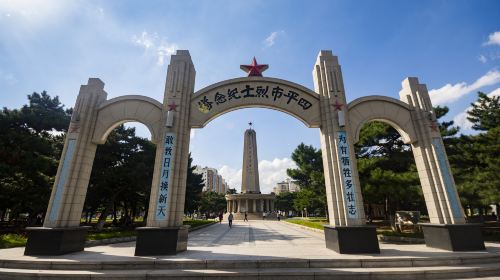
(352, 239)
(459, 237)
(156, 241)
(43, 241)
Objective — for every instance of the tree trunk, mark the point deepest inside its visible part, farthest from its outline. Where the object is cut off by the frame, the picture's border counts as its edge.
(102, 219)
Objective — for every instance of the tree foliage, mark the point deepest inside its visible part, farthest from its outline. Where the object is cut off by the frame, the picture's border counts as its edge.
(485, 112)
(194, 186)
(309, 176)
(31, 140)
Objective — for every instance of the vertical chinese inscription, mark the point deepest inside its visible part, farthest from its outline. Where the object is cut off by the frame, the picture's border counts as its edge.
(166, 167)
(446, 174)
(68, 157)
(347, 176)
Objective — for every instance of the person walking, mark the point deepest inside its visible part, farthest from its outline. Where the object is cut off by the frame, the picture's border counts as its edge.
(230, 219)
(263, 215)
(220, 218)
(246, 217)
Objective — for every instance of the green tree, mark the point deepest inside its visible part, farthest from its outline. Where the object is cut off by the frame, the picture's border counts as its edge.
(212, 203)
(387, 170)
(31, 140)
(194, 185)
(121, 176)
(309, 174)
(285, 201)
(231, 191)
(485, 112)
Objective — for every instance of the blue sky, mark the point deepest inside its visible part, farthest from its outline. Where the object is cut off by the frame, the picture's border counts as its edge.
(56, 45)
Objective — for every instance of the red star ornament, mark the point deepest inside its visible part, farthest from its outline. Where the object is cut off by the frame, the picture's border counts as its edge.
(434, 126)
(254, 69)
(172, 106)
(338, 106)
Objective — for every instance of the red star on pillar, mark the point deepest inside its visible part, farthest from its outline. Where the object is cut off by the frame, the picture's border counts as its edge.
(338, 106)
(254, 69)
(172, 106)
(434, 126)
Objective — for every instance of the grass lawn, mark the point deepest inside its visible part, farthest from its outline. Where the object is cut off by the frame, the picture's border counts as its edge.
(18, 240)
(12, 240)
(312, 222)
(319, 222)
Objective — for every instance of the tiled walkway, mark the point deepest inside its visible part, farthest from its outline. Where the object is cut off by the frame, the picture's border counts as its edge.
(252, 240)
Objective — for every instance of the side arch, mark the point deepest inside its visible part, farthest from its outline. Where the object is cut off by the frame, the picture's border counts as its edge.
(128, 108)
(385, 109)
(262, 92)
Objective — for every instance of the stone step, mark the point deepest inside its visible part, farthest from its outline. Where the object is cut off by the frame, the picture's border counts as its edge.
(386, 262)
(435, 272)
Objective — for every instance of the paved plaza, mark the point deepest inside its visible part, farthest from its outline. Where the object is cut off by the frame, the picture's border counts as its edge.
(253, 240)
(254, 250)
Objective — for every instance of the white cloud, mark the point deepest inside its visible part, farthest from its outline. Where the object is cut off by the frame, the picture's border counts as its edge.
(36, 14)
(232, 176)
(7, 77)
(461, 119)
(493, 39)
(450, 93)
(152, 43)
(270, 173)
(483, 59)
(271, 39)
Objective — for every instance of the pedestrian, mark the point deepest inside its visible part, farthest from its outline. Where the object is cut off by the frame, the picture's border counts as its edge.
(279, 217)
(230, 219)
(246, 217)
(220, 218)
(263, 215)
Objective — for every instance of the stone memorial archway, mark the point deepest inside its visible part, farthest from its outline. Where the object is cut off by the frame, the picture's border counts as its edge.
(170, 123)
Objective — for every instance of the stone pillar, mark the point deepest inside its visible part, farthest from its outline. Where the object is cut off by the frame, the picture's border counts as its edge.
(447, 229)
(442, 201)
(227, 206)
(347, 232)
(272, 205)
(62, 232)
(246, 205)
(239, 206)
(267, 205)
(166, 206)
(254, 208)
(261, 205)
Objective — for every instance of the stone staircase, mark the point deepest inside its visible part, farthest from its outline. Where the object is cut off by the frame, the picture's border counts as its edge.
(282, 268)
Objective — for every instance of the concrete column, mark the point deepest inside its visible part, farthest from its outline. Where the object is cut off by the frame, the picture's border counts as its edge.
(239, 205)
(73, 174)
(261, 205)
(440, 193)
(178, 91)
(254, 209)
(246, 205)
(329, 85)
(272, 205)
(268, 205)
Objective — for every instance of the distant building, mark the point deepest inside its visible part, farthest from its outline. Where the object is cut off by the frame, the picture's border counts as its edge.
(212, 181)
(286, 186)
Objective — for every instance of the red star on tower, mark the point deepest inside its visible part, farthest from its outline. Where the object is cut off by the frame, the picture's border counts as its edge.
(172, 106)
(338, 106)
(254, 69)
(434, 126)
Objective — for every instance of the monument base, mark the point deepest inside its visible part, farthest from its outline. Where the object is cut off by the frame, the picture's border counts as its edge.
(352, 239)
(156, 241)
(43, 241)
(461, 237)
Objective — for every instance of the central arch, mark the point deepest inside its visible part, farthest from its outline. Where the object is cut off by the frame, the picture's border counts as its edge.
(229, 95)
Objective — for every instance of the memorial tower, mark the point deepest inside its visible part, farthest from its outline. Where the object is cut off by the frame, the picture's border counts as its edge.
(250, 178)
(251, 201)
